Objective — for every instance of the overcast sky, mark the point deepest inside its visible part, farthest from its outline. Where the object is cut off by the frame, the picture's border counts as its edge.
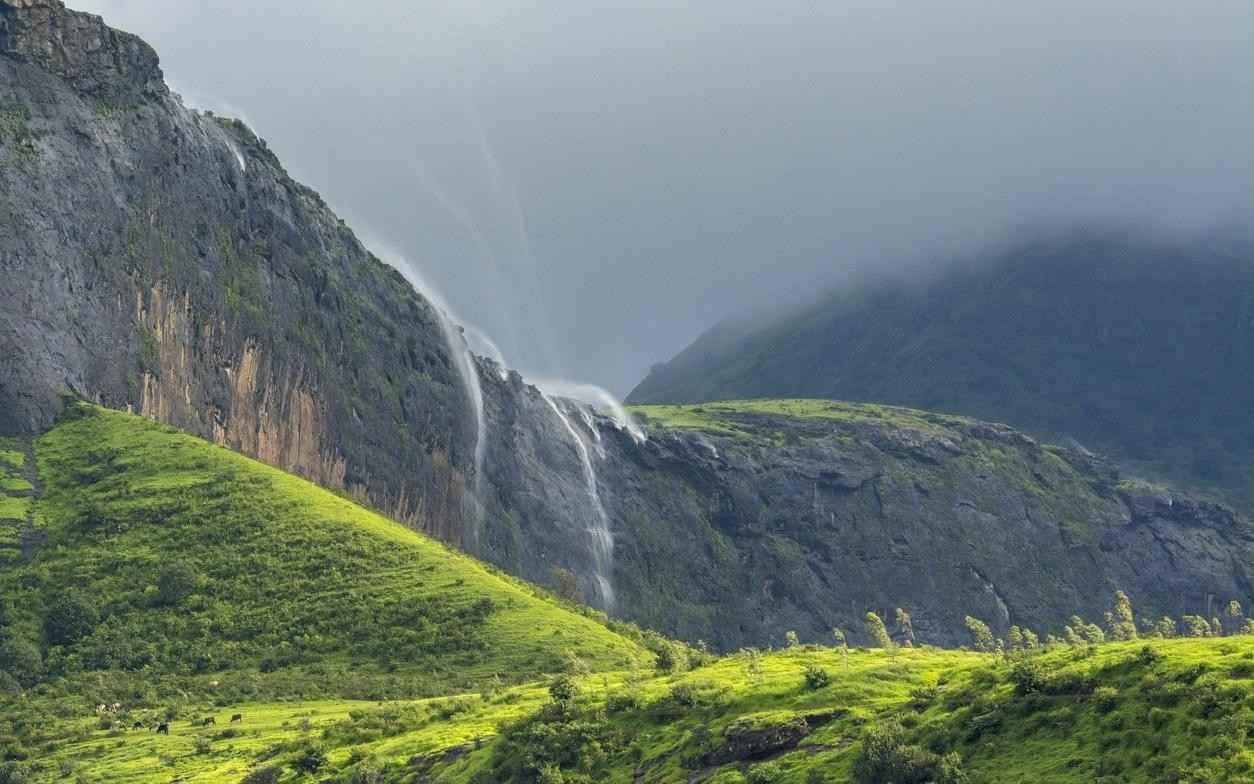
(594, 183)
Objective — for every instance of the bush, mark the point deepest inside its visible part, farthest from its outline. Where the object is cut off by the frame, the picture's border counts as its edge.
(564, 690)
(311, 760)
(20, 659)
(1028, 677)
(886, 757)
(621, 702)
(266, 775)
(816, 677)
(69, 619)
(764, 773)
(1105, 699)
(175, 583)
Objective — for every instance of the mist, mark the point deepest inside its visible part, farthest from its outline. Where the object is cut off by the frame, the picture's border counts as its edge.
(591, 185)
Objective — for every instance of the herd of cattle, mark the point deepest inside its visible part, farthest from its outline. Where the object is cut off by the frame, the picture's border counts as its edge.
(160, 727)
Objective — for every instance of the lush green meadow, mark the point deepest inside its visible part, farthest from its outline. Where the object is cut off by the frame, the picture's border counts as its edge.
(180, 582)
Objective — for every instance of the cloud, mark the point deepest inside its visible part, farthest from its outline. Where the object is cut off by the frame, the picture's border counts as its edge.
(594, 183)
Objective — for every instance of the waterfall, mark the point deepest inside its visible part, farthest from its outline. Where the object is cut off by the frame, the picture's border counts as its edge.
(598, 398)
(602, 541)
(463, 362)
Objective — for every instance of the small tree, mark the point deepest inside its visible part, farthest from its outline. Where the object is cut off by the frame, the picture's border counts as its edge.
(1030, 641)
(875, 628)
(1123, 622)
(564, 690)
(1014, 639)
(791, 640)
(981, 635)
(843, 644)
(1195, 626)
(905, 628)
(1093, 634)
(566, 585)
(753, 664)
(1233, 616)
(1165, 628)
(1216, 628)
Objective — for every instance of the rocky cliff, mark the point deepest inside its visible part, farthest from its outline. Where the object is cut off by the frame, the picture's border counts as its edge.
(160, 259)
(734, 522)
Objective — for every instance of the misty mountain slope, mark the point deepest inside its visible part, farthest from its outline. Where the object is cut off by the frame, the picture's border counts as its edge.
(1139, 348)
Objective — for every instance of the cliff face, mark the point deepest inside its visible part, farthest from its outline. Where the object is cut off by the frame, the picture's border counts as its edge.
(161, 260)
(736, 522)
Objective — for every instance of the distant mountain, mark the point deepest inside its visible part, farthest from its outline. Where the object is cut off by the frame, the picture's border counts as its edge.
(1143, 349)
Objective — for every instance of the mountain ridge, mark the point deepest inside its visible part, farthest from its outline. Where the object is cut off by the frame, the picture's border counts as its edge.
(163, 262)
(1134, 346)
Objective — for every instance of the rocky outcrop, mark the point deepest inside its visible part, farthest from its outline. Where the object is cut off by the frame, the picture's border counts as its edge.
(161, 260)
(761, 522)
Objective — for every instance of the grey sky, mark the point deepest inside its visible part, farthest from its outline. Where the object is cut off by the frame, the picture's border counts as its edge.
(594, 183)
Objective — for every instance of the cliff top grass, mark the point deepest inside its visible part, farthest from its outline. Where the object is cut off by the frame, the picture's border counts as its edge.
(739, 418)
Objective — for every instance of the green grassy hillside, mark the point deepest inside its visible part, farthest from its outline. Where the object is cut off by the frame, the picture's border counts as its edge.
(181, 583)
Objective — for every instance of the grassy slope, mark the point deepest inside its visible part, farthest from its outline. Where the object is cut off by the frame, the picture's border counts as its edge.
(294, 592)
(283, 566)
(1183, 717)
(727, 417)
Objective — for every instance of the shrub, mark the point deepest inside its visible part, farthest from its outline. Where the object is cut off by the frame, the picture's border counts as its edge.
(266, 775)
(564, 690)
(886, 757)
(69, 619)
(20, 658)
(764, 773)
(1028, 677)
(621, 702)
(1105, 699)
(816, 677)
(311, 760)
(175, 583)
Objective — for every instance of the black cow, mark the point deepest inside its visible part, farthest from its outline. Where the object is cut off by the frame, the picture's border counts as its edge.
(163, 728)
(139, 725)
(210, 720)
(237, 717)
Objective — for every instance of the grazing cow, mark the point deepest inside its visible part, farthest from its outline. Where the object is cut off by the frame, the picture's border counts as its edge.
(163, 728)
(115, 707)
(101, 708)
(210, 720)
(237, 717)
(139, 725)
